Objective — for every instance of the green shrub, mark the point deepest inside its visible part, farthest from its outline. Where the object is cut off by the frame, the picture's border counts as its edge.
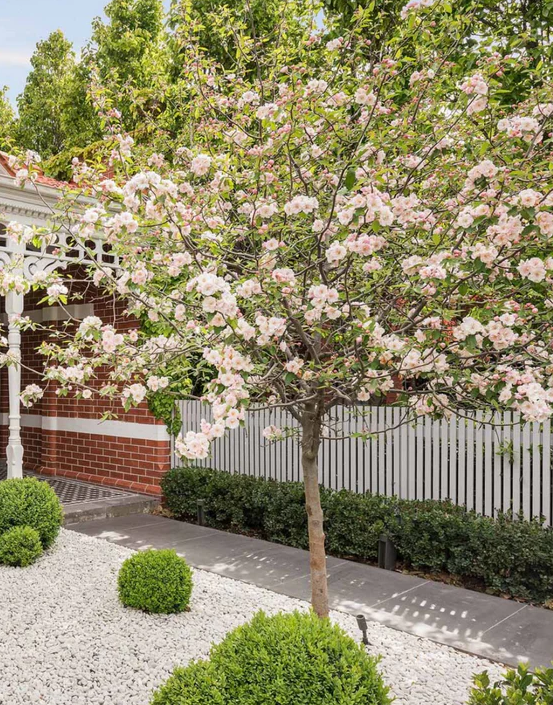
(231, 503)
(354, 522)
(514, 557)
(520, 686)
(229, 499)
(155, 581)
(30, 502)
(20, 546)
(284, 516)
(506, 556)
(425, 532)
(289, 659)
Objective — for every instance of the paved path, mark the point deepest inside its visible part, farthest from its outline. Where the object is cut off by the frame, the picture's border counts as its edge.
(83, 501)
(480, 624)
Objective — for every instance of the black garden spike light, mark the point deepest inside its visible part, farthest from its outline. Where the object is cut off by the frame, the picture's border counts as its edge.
(200, 504)
(362, 624)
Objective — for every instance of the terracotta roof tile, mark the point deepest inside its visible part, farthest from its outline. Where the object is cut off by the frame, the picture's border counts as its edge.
(40, 179)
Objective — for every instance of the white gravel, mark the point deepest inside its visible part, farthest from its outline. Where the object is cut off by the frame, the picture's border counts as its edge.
(65, 640)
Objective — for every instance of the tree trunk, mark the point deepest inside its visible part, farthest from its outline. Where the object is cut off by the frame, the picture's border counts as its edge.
(311, 440)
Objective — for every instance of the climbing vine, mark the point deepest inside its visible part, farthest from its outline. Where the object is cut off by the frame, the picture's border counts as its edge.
(164, 407)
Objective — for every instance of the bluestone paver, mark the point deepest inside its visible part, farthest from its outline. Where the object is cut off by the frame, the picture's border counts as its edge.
(481, 624)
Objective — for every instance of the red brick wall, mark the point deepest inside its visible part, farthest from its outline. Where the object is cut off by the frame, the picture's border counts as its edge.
(32, 443)
(136, 464)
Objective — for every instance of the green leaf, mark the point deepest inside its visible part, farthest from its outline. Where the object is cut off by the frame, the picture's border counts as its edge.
(350, 179)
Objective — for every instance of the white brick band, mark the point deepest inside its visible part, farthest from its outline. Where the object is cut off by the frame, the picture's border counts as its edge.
(120, 429)
(56, 313)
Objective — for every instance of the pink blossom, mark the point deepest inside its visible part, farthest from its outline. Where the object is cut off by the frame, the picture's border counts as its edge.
(532, 269)
(272, 433)
(294, 366)
(474, 84)
(200, 165)
(301, 204)
(336, 252)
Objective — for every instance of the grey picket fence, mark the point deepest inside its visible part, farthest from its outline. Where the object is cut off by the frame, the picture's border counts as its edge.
(486, 463)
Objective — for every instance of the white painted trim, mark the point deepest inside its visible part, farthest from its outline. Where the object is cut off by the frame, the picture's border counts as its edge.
(57, 313)
(120, 429)
(27, 420)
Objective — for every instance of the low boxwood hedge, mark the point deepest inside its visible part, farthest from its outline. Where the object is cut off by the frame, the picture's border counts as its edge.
(159, 582)
(20, 546)
(506, 555)
(289, 659)
(30, 502)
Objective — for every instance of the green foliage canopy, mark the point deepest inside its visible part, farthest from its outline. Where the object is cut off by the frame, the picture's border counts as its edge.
(7, 119)
(137, 53)
(41, 116)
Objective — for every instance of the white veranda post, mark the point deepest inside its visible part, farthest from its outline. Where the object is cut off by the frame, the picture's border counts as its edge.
(14, 450)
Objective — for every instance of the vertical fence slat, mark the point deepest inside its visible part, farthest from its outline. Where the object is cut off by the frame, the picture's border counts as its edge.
(536, 470)
(389, 450)
(329, 451)
(471, 426)
(364, 449)
(278, 473)
(342, 453)
(478, 463)
(356, 458)
(488, 432)
(297, 447)
(274, 469)
(546, 472)
(427, 458)
(444, 461)
(526, 470)
(234, 467)
(435, 459)
(461, 461)
(506, 460)
(454, 469)
(252, 432)
(420, 458)
(404, 460)
(381, 450)
(374, 450)
(411, 462)
(262, 422)
(497, 463)
(396, 451)
(240, 448)
(334, 460)
(517, 464)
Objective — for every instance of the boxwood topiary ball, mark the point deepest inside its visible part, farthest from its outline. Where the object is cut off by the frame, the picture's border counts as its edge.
(155, 581)
(289, 659)
(20, 546)
(30, 502)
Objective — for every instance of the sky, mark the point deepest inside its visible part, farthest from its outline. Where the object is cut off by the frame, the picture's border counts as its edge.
(25, 22)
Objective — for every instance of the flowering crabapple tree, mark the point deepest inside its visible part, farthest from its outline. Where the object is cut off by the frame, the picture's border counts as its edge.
(330, 233)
